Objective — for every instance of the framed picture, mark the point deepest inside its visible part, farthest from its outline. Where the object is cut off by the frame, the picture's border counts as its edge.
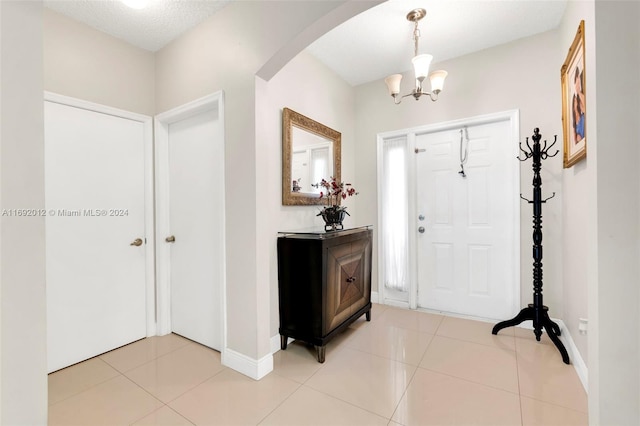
(574, 105)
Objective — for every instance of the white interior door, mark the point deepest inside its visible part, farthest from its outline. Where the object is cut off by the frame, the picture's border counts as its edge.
(191, 148)
(95, 206)
(466, 251)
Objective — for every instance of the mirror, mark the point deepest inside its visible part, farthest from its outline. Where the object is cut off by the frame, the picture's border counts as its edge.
(310, 153)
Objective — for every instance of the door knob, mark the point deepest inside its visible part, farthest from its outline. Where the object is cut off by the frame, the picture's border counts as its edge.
(170, 239)
(421, 230)
(137, 242)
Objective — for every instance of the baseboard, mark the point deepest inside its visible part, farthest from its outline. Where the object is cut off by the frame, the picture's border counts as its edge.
(254, 368)
(275, 343)
(374, 297)
(572, 350)
(574, 355)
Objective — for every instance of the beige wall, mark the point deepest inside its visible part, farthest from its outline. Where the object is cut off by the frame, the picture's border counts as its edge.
(87, 64)
(520, 75)
(23, 369)
(225, 53)
(576, 182)
(308, 87)
(614, 293)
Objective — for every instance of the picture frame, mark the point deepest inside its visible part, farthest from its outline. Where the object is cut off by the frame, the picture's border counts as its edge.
(574, 109)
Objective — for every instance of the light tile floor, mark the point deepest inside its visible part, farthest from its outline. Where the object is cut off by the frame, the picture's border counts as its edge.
(402, 368)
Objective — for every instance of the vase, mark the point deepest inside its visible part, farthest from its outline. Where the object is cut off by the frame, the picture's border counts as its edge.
(333, 217)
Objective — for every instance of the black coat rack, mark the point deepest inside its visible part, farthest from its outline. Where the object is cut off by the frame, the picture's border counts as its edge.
(537, 312)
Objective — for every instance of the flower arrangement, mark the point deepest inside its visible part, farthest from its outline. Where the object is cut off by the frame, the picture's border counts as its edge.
(333, 191)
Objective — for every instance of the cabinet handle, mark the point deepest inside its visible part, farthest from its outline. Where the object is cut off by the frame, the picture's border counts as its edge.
(351, 279)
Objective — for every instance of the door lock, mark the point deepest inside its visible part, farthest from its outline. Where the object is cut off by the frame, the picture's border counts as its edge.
(170, 239)
(421, 230)
(421, 217)
(137, 242)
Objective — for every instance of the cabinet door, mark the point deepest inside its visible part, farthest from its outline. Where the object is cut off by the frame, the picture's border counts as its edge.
(348, 282)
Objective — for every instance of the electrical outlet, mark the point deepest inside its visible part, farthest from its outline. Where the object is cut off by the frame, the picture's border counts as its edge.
(583, 324)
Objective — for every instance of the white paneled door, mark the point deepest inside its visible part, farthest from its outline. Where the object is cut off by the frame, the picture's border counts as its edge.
(466, 226)
(96, 244)
(190, 172)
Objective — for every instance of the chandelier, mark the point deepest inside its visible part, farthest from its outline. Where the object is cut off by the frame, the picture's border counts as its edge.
(421, 65)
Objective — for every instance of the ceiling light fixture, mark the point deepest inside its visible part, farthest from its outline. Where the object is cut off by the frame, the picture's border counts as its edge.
(421, 65)
(136, 4)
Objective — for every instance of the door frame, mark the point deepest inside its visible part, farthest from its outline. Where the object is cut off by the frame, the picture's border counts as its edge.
(513, 116)
(162, 121)
(149, 219)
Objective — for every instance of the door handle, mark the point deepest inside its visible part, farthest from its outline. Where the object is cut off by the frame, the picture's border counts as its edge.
(170, 239)
(421, 230)
(137, 242)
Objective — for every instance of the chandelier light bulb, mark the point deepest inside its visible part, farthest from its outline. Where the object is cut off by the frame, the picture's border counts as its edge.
(421, 64)
(136, 4)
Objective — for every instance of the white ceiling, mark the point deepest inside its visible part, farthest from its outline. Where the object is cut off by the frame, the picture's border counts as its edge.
(368, 47)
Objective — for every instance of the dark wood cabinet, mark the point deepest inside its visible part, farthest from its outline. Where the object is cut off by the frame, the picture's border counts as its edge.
(324, 284)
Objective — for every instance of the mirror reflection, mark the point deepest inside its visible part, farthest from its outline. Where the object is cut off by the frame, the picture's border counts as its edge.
(310, 153)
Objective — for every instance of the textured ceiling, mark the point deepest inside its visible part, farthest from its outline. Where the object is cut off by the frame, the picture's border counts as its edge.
(150, 28)
(368, 47)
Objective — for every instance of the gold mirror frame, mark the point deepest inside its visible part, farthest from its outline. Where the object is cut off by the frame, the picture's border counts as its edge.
(292, 119)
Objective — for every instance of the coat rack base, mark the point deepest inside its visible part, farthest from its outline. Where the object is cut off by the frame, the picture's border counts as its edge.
(540, 318)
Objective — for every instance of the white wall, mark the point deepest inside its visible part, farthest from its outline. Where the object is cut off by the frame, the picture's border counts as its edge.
(23, 369)
(614, 348)
(576, 183)
(88, 64)
(224, 53)
(520, 75)
(308, 87)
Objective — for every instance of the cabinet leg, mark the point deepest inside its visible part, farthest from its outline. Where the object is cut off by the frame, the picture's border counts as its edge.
(283, 342)
(320, 350)
(368, 315)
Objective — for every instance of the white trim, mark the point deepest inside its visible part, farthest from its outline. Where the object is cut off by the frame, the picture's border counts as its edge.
(214, 101)
(574, 355)
(274, 343)
(149, 216)
(254, 368)
(375, 297)
(513, 116)
(572, 350)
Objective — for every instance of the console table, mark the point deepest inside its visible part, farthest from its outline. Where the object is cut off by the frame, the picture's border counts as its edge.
(324, 283)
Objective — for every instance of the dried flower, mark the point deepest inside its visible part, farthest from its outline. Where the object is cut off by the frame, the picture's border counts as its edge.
(335, 190)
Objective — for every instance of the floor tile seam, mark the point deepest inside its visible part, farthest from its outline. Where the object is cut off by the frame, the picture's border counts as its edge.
(147, 392)
(519, 394)
(404, 393)
(155, 358)
(387, 358)
(469, 381)
(476, 343)
(195, 386)
(128, 371)
(346, 402)
(89, 388)
(555, 404)
(281, 402)
(160, 408)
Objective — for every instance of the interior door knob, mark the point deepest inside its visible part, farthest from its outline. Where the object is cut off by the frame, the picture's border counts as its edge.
(421, 230)
(170, 239)
(137, 242)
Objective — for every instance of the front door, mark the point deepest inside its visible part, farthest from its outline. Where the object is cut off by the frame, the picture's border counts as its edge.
(467, 224)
